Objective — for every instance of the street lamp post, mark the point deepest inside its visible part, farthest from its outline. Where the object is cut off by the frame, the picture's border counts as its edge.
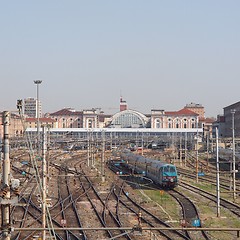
(233, 155)
(38, 82)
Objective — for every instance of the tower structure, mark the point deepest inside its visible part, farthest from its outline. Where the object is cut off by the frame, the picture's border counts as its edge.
(123, 104)
(197, 108)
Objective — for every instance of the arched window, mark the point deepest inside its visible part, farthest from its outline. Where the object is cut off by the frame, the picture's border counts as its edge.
(193, 123)
(177, 123)
(90, 123)
(184, 123)
(158, 123)
(169, 123)
(129, 119)
(79, 122)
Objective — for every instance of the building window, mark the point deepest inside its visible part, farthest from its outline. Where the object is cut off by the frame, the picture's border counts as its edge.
(177, 123)
(169, 123)
(90, 123)
(193, 123)
(184, 123)
(158, 123)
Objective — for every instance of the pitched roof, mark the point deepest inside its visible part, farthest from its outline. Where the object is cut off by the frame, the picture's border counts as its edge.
(66, 111)
(182, 112)
(40, 119)
(207, 120)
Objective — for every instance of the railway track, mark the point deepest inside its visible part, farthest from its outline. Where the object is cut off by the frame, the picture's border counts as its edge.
(232, 207)
(83, 201)
(189, 211)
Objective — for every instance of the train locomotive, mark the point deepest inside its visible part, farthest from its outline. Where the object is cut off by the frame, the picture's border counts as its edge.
(160, 172)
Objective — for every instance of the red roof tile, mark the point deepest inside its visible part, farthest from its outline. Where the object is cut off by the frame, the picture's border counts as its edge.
(40, 120)
(65, 112)
(184, 111)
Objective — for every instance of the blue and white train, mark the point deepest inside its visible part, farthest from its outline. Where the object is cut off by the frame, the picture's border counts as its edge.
(162, 173)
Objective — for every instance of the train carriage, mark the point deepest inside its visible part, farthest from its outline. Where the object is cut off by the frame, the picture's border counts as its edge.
(162, 173)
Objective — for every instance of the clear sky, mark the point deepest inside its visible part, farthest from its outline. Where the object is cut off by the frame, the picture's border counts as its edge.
(156, 54)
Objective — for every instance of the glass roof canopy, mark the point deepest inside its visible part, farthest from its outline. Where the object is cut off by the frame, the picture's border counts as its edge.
(129, 119)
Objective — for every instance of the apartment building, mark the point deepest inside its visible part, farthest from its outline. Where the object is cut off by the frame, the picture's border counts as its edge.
(30, 107)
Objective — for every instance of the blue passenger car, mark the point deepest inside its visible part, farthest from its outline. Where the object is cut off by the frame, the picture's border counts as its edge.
(162, 173)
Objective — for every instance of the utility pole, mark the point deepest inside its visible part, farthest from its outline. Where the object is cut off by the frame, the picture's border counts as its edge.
(111, 141)
(92, 148)
(47, 155)
(38, 82)
(1, 146)
(197, 160)
(180, 150)
(234, 159)
(103, 157)
(5, 200)
(44, 176)
(185, 151)
(88, 150)
(217, 172)
(208, 151)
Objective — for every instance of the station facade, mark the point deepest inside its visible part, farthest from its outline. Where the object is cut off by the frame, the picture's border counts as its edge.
(157, 120)
(126, 118)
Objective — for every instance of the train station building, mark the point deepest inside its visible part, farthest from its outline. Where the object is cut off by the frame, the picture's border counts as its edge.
(158, 120)
(126, 118)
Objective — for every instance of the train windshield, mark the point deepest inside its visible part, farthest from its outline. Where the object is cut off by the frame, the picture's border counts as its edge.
(169, 169)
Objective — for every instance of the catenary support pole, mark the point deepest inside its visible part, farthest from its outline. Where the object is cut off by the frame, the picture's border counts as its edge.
(217, 175)
(6, 178)
(197, 160)
(233, 155)
(38, 82)
(44, 176)
(103, 157)
(88, 148)
(185, 152)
